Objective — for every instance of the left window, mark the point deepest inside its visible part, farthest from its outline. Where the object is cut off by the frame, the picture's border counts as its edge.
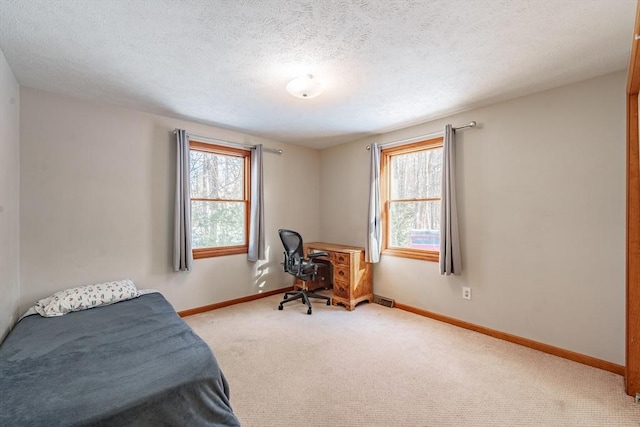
(220, 199)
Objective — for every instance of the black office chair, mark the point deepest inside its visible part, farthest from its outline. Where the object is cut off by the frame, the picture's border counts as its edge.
(302, 268)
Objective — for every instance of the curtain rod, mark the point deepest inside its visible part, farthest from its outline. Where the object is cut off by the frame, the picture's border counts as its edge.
(427, 136)
(229, 143)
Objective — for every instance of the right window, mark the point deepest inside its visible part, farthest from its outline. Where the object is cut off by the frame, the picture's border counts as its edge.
(410, 190)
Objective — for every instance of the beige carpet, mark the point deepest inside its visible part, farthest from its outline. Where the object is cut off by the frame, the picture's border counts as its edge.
(378, 366)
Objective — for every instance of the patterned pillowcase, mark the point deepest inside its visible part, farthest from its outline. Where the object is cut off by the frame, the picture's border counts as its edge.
(87, 296)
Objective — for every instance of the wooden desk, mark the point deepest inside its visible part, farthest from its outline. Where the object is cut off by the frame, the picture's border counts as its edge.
(352, 276)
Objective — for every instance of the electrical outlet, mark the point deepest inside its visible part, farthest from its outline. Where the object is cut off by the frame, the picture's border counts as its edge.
(466, 292)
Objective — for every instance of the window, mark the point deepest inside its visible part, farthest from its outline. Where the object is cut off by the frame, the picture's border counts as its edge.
(220, 199)
(410, 191)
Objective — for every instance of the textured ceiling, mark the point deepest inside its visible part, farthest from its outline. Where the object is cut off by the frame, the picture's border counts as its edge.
(384, 64)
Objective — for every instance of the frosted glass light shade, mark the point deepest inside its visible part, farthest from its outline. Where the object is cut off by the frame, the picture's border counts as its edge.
(304, 87)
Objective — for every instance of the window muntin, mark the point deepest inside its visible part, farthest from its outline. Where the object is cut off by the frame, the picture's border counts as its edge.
(220, 199)
(411, 181)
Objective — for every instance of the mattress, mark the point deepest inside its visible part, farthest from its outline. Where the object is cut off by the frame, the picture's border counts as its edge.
(130, 363)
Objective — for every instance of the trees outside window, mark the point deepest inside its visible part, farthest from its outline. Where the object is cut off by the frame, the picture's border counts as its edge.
(220, 199)
(411, 178)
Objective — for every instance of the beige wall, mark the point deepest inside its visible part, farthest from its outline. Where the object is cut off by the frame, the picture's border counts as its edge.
(9, 197)
(541, 194)
(97, 189)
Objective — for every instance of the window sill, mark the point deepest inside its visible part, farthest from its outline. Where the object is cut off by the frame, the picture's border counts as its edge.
(223, 251)
(413, 254)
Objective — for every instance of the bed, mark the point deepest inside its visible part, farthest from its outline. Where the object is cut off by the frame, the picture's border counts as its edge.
(134, 362)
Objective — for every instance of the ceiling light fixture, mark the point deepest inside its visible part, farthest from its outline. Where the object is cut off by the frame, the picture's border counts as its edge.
(304, 87)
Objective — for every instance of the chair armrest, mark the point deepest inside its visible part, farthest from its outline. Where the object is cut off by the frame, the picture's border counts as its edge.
(318, 254)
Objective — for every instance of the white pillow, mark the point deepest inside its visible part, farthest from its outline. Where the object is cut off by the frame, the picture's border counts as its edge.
(87, 296)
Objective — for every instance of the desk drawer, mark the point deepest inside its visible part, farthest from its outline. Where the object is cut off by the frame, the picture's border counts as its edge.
(340, 258)
(341, 273)
(341, 288)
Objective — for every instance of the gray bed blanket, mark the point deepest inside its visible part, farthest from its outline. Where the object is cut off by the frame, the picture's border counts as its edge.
(131, 363)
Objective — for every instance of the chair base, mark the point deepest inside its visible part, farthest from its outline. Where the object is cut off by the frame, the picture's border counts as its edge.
(305, 296)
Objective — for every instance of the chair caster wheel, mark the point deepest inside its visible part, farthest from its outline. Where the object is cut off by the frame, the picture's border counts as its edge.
(328, 302)
(280, 307)
(309, 311)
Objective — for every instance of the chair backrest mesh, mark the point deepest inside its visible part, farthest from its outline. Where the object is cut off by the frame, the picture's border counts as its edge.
(292, 242)
(294, 260)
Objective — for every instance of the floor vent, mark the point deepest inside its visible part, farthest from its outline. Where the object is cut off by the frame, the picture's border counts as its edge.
(387, 302)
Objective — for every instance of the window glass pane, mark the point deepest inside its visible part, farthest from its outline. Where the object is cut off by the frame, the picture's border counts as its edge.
(216, 224)
(416, 175)
(216, 176)
(415, 225)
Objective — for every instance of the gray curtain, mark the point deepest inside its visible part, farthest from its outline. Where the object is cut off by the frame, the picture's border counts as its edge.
(374, 228)
(256, 220)
(182, 255)
(450, 262)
